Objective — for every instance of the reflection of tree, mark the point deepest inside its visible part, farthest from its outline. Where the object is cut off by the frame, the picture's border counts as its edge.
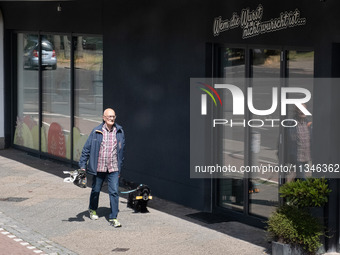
(266, 57)
(233, 57)
(67, 47)
(57, 43)
(80, 52)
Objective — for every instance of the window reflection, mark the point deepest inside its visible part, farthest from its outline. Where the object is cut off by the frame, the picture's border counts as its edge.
(88, 89)
(231, 193)
(232, 63)
(263, 188)
(298, 139)
(55, 64)
(263, 142)
(27, 123)
(56, 99)
(297, 146)
(301, 64)
(266, 63)
(32, 51)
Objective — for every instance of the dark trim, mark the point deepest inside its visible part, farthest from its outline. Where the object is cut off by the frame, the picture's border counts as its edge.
(13, 83)
(247, 138)
(40, 92)
(283, 64)
(72, 95)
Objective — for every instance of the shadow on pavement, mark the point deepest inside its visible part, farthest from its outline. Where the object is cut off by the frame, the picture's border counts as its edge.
(218, 222)
(79, 217)
(85, 214)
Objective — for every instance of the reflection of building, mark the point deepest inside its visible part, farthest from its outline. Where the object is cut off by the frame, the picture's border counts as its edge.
(138, 59)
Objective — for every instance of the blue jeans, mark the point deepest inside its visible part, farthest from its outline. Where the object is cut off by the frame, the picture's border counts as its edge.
(113, 184)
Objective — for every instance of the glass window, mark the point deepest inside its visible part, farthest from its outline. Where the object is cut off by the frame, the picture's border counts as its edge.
(266, 63)
(55, 66)
(232, 63)
(297, 151)
(263, 141)
(298, 139)
(230, 191)
(88, 89)
(27, 123)
(56, 95)
(264, 145)
(300, 64)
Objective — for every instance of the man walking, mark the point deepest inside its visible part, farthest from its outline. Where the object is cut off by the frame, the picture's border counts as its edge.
(102, 157)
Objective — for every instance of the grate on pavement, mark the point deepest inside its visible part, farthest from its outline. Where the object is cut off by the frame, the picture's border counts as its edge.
(13, 199)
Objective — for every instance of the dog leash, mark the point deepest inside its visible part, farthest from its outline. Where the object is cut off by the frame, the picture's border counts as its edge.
(127, 192)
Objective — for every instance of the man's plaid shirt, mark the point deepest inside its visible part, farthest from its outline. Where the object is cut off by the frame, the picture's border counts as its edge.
(107, 159)
(303, 142)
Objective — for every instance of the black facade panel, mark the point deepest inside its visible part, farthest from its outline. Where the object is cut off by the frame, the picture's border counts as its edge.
(151, 52)
(8, 91)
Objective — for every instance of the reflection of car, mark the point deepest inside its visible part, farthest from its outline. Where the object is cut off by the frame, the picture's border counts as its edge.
(31, 55)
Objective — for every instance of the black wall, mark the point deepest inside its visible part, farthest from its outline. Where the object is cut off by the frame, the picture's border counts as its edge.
(152, 49)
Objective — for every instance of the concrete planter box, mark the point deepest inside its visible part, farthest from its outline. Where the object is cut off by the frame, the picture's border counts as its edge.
(285, 249)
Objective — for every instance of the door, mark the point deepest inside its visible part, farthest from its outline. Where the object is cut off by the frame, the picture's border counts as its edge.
(251, 193)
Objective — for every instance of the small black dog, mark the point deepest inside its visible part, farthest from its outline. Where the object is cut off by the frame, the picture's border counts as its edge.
(139, 197)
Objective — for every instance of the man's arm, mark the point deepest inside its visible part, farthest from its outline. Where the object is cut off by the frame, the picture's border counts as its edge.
(121, 147)
(85, 154)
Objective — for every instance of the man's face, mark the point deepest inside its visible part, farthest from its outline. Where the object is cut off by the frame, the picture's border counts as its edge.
(109, 117)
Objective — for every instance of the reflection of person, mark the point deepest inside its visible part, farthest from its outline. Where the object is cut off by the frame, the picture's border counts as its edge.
(104, 151)
(299, 143)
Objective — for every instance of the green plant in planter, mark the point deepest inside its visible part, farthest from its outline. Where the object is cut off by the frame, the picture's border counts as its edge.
(292, 223)
(297, 227)
(312, 192)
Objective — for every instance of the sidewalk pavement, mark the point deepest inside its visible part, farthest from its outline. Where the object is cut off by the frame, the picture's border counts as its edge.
(40, 214)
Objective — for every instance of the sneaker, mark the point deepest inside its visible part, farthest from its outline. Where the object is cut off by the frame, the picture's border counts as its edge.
(93, 215)
(115, 223)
